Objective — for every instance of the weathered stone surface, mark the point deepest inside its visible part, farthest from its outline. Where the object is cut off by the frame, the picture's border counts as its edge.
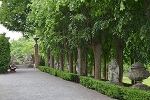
(28, 57)
(77, 66)
(30, 66)
(56, 64)
(82, 69)
(141, 86)
(138, 72)
(114, 71)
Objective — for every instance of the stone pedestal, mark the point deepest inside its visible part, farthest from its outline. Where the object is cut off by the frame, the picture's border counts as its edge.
(138, 72)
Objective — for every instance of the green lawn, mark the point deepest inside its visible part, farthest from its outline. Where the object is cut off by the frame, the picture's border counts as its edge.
(127, 80)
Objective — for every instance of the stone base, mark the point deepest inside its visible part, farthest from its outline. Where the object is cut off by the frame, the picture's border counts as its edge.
(116, 83)
(30, 66)
(141, 86)
(120, 84)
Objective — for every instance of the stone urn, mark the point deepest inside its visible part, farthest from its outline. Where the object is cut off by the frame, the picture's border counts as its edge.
(137, 73)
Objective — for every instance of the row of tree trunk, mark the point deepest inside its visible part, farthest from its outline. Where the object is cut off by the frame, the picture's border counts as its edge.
(72, 58)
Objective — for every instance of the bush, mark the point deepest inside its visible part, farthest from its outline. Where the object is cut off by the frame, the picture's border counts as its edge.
(135, 94)
(114, 91)
(3, 69)
(64, 75)
(4, 54)
(111, 90)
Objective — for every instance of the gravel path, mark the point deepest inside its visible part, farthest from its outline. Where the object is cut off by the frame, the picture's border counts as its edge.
(32, 84)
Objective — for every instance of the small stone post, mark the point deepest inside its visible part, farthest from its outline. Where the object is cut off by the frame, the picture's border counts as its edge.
(36, 62)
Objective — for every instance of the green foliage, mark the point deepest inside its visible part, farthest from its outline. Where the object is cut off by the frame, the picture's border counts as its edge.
(48, 70)
(21, 47)
(135, 94)
(3, 69)
(114, 91)
(111, 90)
(4, 54)
(28, 47)
(13, 14)
(100, 86)
(64, 75)
(41, 61)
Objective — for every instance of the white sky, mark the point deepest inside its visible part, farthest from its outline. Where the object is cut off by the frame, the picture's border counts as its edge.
(11, 34)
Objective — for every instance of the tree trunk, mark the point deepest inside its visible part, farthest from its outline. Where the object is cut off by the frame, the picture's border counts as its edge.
(75, 60)
(107, 71)
(147, 2)
(71, 62)
(51, 60)
(132, 55)
(97, 59)
(84, 66)
(48, 58)
(61, 62)
(105, 67)
(132, 61)
(119, 54)
(80, 60)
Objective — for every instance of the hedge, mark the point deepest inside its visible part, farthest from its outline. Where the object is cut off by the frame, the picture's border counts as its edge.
(64, 75)
(115, 91)
(4, 54)
(3, 69)
(111, 90)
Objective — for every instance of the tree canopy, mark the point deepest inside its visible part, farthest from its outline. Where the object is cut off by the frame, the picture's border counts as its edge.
(98, 29)
(13, 14)
(21, 47)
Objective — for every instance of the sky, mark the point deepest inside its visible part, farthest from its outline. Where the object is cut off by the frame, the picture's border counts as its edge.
(11, 34)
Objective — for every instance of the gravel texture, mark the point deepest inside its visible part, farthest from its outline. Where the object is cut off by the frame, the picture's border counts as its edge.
(32, 84)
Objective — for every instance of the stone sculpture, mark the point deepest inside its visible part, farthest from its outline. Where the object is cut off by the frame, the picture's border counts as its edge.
(77, 66)
(14, 59)
(28, 57)
(81, 70)
(138, 72)
(56, 64)
(114, 71)
(67, 64)
(28, 61)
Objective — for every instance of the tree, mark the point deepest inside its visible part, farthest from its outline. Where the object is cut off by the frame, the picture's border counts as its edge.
(22, 47)
(4, 54)
(13, 14)
(108, 27)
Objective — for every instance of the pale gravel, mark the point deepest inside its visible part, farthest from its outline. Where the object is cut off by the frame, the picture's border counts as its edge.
(32, 84)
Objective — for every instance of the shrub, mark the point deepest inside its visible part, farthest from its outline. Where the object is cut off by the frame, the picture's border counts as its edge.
(3, 69)
(135, 94)
(114, 91)
(4, 54)
(111, 90)
(64, 75)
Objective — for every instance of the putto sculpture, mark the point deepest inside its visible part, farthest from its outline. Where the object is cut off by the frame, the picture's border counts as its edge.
(114, 71)
(77, 66)
(56, 64)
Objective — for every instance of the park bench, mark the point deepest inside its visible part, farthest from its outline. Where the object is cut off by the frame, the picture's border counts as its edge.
(12, 68)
